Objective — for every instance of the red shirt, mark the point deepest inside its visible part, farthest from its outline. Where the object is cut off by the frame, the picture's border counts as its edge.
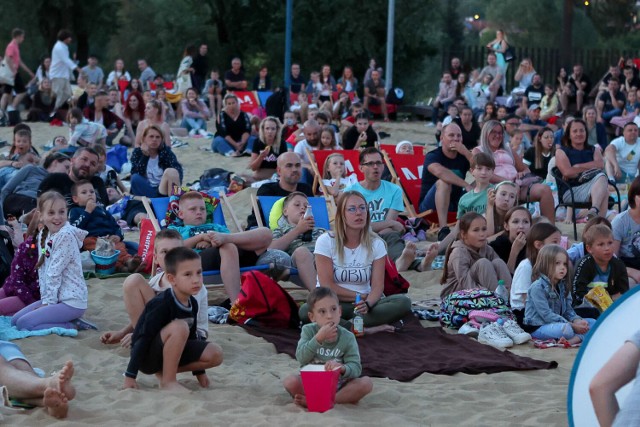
(13, 51)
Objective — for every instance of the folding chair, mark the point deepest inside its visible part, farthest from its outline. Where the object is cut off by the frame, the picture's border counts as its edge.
(563, 187)
(351, 163)
(157, 208)
(265, 204)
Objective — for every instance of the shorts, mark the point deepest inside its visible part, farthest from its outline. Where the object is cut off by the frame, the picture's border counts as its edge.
(153, 362)
(18, 86)
(9, 351)
(211, 258)
(429, 201)
(582, 192)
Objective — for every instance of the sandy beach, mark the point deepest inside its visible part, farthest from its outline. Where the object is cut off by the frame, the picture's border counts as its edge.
(246, 390)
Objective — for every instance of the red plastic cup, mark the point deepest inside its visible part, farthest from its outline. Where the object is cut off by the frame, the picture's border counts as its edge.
(320, 387)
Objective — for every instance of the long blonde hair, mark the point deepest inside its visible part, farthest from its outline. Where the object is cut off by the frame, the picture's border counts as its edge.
(45, 200)
(546, 264)
(366, 235)
(275, 148)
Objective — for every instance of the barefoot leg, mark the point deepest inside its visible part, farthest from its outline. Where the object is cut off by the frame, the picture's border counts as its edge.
(354, 390)
(56, 403)
(293, 385)
(62, 381)
(406, 258)
(380, 328)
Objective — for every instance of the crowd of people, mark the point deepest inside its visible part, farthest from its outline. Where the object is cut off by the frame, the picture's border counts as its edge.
(511, 149)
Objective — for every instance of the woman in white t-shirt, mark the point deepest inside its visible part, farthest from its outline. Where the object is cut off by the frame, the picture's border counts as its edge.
(351, 261)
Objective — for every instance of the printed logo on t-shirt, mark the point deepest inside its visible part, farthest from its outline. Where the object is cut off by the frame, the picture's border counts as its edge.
(328, 352)
(377, 212)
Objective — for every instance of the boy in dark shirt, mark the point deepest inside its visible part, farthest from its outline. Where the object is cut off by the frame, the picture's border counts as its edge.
(164, 341)
(89, 216)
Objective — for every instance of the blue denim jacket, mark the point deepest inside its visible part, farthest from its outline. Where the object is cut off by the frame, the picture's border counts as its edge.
(545, 305)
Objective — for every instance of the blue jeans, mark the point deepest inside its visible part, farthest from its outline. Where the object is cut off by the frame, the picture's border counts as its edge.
(140, 186)
(191, 123)
(611, 114)
(429, 201)
(6, 173)
(559, 330)
(220, 145)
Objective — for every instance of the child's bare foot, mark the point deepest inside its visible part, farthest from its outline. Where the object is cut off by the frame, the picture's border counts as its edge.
(218, 239)
(432, 253)
(300, 400)
(570, 342)
(61, 381)
(203, 380)
(408, 255)
(175, 387)
(380, 328)
(55, 402)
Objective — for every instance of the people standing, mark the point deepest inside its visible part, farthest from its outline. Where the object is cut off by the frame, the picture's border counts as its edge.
(61, 67)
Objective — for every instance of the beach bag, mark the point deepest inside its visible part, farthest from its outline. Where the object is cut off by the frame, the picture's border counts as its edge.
(455, 308)
(394, 283)
(117, 157)
(263, 302)
(215, 177)
(276, 104)
(6, 256)
(6, 75)
(509, 54)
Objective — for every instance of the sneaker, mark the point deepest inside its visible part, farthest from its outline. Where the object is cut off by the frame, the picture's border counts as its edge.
(444, 232)
(430, 125)
(192, 132)
(494, 335)
(515, 332)
(83, 325)
(203, 132)
(469, 329)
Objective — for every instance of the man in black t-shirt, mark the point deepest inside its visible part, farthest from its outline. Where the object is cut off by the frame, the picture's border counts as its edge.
(534, 93)
(469, 128)
(577, 87)
(611, 102)
(443, 176)
(289, 172)
(297, 81)
(234, 78)
(200, 68)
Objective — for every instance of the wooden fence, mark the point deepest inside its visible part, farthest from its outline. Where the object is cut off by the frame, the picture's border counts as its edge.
(546, 61)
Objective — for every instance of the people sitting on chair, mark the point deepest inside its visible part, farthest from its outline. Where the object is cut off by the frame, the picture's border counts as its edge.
(267, 149)
(351, 261)
(296, 235)
(154, 167)
(219, 249)
(623, 154)
(289, 169)
(374, 93)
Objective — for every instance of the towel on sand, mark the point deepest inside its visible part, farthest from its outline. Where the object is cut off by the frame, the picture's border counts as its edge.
(407, 354)
(9, 333)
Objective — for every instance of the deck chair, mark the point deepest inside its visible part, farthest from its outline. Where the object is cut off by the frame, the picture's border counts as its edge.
(265, 204)
(247, 99)
(351, 162)
(157, 208)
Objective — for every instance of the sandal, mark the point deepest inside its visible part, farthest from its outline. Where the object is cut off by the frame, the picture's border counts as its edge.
(593, 212)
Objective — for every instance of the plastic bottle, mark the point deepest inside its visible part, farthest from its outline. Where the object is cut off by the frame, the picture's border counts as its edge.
(308, 235)
(357, 321)
(501, 291)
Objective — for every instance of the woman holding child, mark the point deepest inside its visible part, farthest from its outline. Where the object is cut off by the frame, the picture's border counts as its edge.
(510, 167)
(154, 167)
(351, 261)
(582, 165)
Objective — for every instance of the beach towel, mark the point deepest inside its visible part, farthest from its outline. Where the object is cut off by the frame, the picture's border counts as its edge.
(10, 333)
(407, 354)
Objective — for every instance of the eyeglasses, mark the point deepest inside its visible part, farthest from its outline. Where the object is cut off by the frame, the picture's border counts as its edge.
(354, 209)
(372, 164)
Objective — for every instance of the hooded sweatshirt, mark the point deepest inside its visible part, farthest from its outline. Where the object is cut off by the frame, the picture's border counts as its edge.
(461, 258)
(60, 275)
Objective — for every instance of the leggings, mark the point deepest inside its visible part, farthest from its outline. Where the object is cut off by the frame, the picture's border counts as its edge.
(558, 330)
(9, 305)
(388, 310)
(58, 315)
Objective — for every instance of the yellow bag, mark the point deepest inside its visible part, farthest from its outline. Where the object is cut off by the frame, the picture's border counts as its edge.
(599, 297)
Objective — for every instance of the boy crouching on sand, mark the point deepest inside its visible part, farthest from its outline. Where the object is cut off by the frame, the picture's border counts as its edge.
(137, 292)
(326, 342)
(164, 341)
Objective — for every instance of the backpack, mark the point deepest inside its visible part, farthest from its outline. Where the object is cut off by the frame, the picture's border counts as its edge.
(263, 302)
(455, 308)
(215, 177)
(6, 256)
(394, 283)
(276, 104)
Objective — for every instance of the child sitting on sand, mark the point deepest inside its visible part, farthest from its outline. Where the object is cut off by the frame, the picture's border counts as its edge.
(98, 222)
(326, 342)
(548, 312)
(137, 292)
(62, 286)
(164, 341)
(82, 132)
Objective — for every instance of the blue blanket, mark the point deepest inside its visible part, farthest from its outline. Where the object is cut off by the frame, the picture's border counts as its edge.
(8, 332)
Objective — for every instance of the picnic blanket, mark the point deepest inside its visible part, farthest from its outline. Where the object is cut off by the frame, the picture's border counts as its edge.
(9, 333)
(407, 354)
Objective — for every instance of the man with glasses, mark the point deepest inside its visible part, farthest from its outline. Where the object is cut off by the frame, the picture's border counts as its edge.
(513, 123)
(443, 176)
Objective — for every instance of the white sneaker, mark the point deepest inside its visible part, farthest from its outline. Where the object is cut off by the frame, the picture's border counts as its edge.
(430, 125)
(203, 132)
(494, 335)
(469, 329)
(515, 332)
(192, 132)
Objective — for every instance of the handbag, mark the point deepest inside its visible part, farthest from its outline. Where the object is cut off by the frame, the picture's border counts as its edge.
(6, 75)
(509, 54)
(528, 180)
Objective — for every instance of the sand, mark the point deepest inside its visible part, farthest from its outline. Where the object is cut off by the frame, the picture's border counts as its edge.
(247, 388)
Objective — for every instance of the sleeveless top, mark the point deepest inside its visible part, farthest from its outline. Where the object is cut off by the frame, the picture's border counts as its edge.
(579, 156)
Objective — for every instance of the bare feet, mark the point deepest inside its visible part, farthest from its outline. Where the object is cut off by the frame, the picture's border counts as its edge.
(408, 255)
(174, 387)
(218, 239)
(380, 328)
(63, 380)
(432, 253)
(203, 380)
(300, 400)
(55, 402)
(111, 337)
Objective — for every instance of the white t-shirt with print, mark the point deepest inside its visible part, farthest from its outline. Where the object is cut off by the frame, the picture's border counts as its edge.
(354, 272)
